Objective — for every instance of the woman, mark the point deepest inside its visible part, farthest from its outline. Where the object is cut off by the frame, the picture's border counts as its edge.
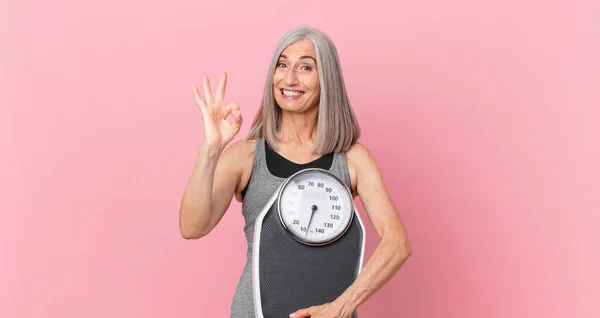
(305, 120)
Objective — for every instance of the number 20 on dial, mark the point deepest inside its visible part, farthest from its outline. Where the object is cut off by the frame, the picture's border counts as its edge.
(315, 206)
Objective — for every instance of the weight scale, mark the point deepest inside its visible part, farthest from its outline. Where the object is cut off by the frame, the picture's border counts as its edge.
(308, 246)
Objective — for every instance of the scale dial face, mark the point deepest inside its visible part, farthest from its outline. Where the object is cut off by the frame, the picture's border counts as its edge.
(315, 207)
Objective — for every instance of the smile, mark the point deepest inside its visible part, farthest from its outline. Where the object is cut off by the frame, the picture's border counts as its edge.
(291, 93)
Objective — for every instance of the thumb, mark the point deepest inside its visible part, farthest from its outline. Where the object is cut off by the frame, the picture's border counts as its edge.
(237, 114)
(237, 118)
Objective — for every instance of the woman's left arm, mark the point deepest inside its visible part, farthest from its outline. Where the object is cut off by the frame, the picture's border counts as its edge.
(391, 253)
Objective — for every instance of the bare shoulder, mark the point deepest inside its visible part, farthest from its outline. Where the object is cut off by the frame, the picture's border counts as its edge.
(360, 162)
(359, 152)
(238, 157)
(240, 147)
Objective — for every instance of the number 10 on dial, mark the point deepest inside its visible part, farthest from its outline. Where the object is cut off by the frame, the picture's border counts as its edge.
(315, 206)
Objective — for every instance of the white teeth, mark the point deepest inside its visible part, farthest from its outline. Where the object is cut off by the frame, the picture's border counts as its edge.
(288, 93)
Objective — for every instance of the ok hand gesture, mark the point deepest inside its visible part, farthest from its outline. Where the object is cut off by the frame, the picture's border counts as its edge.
(218, 131)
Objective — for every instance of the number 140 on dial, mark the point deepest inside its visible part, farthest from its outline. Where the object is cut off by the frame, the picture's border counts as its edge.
(315, 207)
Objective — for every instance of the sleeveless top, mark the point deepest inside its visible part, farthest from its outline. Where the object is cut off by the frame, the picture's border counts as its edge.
(269, 170)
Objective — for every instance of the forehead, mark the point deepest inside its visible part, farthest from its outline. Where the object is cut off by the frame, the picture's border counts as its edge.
(299, 49)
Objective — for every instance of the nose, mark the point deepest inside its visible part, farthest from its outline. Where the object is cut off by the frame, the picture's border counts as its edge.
(291, 78)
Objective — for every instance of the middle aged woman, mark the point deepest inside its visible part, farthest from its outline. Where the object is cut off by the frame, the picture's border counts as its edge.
(305, 120)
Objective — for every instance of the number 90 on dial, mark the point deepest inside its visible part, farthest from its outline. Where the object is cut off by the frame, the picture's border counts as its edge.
(315, 207)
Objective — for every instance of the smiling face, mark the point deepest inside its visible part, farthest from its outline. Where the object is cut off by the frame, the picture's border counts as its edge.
(296, 81)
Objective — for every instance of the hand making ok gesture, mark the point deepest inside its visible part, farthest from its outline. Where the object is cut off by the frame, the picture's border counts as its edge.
(218, 131)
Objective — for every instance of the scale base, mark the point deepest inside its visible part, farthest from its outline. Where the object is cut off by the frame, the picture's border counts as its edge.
(289, 275)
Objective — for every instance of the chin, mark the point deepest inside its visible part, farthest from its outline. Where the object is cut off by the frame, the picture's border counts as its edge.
(296, 108)
(286, 105)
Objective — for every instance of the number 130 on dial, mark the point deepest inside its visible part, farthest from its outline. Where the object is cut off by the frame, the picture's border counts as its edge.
(315, 206)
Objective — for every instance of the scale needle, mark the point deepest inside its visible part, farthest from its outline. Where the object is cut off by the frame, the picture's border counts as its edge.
(313, 208)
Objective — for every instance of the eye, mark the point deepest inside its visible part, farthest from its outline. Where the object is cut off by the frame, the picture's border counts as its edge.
(306, 68)
(280, 64)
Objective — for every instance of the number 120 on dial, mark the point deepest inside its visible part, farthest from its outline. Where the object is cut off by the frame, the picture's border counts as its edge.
(315, 207)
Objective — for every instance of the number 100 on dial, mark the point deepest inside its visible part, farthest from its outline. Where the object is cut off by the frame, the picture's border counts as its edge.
(315, 207)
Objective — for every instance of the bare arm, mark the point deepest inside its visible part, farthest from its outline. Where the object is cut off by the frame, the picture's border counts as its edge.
(394, 248)
(210, 189)
(216, 174)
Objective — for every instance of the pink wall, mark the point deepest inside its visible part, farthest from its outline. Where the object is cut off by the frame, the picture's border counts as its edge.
(481, 114)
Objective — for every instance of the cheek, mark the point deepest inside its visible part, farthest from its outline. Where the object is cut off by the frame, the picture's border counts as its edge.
(313, 84)
(275, 78)
(317, 88)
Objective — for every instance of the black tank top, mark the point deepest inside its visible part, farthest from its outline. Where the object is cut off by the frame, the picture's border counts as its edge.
(281, 167)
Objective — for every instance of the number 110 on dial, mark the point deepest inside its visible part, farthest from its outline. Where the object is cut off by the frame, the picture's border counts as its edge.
(315, 207)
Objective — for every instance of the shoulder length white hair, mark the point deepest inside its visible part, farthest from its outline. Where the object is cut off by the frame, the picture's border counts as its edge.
(337, 126)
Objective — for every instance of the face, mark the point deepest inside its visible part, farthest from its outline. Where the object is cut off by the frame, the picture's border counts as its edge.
(296, 80)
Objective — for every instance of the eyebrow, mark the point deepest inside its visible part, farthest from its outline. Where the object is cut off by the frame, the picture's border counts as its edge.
(302, 57)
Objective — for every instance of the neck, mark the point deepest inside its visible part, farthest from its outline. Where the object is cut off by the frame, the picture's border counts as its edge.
(298, 128)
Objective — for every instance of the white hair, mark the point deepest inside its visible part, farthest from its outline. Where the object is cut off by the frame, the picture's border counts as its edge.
(337, 126)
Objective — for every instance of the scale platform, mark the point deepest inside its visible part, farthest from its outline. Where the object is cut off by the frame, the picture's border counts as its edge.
(289, 275)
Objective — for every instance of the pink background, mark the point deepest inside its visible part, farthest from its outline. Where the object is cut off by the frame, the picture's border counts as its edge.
(482, 115)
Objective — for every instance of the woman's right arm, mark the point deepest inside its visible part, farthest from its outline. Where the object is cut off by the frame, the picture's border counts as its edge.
(218, 169)
(210, 189)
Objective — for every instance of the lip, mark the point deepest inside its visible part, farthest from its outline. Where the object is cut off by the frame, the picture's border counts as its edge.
(290, 90)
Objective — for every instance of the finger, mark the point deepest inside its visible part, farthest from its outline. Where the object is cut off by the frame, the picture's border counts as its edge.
(237, 120)
(235, 110)
(220, 94)
(231, 108)
(237, 117)
(306, 312)
(207, 93)
(198, 97)
(228, 109)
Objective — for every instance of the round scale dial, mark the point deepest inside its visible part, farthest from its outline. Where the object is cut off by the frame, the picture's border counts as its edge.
(315, 206)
